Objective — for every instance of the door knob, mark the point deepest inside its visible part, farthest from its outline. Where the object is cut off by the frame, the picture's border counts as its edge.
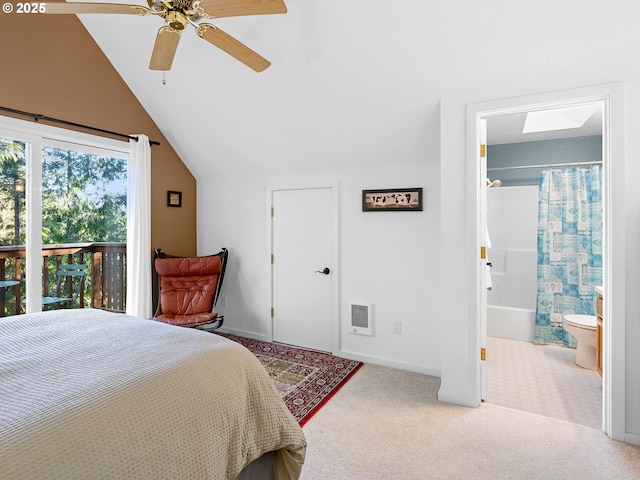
(325, 271)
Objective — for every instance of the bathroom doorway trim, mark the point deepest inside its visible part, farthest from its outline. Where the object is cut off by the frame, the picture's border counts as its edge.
(611, 96)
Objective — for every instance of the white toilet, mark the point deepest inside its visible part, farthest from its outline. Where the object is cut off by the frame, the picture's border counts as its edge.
(583, 328)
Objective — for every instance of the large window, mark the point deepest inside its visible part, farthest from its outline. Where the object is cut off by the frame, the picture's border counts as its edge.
(63, 221)
(84, 197)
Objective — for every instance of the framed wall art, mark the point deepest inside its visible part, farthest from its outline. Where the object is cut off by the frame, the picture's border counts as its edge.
(174, 199)
(392, 199)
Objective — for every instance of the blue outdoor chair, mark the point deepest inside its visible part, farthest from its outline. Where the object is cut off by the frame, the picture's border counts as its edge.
(68, 273)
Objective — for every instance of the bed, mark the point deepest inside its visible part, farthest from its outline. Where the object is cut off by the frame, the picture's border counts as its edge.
(92, 394)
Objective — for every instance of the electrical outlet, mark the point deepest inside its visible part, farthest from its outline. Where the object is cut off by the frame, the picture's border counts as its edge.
(222, 301)
(397, 328)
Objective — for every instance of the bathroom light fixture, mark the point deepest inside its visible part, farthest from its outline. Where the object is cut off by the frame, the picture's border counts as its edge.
(558, 118)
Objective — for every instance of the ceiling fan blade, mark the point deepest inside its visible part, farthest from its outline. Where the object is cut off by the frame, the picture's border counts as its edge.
(81, 7)
(236, 8)
(233, 47)
(165, 48)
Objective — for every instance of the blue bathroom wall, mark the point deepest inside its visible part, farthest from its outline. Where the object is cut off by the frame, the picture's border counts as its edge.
(545, 152)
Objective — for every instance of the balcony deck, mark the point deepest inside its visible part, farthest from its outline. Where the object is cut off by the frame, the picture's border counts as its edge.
(104, 286)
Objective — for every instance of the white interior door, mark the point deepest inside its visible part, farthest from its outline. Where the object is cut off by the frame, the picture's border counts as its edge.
(485, 276)
(302, 267)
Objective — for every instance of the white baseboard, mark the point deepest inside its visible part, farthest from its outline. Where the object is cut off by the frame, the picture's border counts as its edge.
(387, 362)
(632, 438)
(241, 333)
(454, 399)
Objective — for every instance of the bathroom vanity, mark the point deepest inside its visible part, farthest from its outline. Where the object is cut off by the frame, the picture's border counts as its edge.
(599, 290)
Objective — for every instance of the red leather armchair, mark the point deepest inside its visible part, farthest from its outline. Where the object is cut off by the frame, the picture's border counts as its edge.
(188, 288)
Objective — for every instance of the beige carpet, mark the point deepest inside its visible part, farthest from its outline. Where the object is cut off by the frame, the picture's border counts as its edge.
(388, 424)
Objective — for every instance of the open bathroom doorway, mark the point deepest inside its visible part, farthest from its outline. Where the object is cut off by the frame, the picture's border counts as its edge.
(531, 369)
(517, 313)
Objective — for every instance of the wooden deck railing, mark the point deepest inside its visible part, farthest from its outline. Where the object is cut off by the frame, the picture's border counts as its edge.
(103, 287)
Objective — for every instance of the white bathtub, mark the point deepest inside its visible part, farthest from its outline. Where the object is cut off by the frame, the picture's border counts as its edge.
(510, 322)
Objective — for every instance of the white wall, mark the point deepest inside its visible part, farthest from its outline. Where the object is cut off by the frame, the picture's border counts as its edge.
(601, 47)
(389, 259)
(434, 254)
(630, 215)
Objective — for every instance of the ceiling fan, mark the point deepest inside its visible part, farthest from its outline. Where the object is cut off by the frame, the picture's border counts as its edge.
(177, 14)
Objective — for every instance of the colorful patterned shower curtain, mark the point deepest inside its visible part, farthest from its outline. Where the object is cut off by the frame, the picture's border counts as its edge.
(569, 249)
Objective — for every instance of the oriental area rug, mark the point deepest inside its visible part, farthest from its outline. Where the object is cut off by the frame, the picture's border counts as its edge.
(305, 379)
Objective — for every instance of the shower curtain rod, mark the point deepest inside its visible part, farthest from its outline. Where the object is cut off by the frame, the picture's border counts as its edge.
(37, 116)
(545, 165)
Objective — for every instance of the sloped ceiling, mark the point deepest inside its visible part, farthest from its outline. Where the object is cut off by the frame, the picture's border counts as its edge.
(353, 83)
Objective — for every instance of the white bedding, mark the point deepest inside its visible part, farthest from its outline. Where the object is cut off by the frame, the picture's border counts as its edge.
(94, 395)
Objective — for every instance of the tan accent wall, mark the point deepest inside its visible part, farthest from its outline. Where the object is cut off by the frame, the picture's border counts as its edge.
(50, 65)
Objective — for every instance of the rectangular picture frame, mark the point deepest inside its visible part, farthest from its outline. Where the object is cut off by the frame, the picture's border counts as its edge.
(174, 199)
(392, 200)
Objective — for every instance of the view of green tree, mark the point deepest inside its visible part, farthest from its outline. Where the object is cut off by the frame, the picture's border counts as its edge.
(12, 182)
(84, 197)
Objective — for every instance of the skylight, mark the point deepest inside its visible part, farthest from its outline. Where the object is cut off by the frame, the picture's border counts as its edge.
(558, 118)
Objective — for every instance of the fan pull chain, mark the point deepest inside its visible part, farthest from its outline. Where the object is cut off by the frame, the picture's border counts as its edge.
(164, 80)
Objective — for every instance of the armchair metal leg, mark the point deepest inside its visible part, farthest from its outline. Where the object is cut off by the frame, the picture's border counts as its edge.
(211, 326)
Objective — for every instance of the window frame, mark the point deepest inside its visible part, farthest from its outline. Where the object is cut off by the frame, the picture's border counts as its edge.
(36, 136)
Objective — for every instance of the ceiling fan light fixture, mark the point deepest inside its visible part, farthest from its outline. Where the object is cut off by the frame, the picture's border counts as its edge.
(176, 20)
(176, 14)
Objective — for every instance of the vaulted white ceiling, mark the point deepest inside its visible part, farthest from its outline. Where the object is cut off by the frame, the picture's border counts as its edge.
(354, 83)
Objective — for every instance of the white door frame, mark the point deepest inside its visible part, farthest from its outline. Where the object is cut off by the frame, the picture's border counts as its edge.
(612, 98)
(335, 250)
(481, 152)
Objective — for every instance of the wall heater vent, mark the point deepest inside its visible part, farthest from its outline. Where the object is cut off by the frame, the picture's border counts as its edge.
(361, 318)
